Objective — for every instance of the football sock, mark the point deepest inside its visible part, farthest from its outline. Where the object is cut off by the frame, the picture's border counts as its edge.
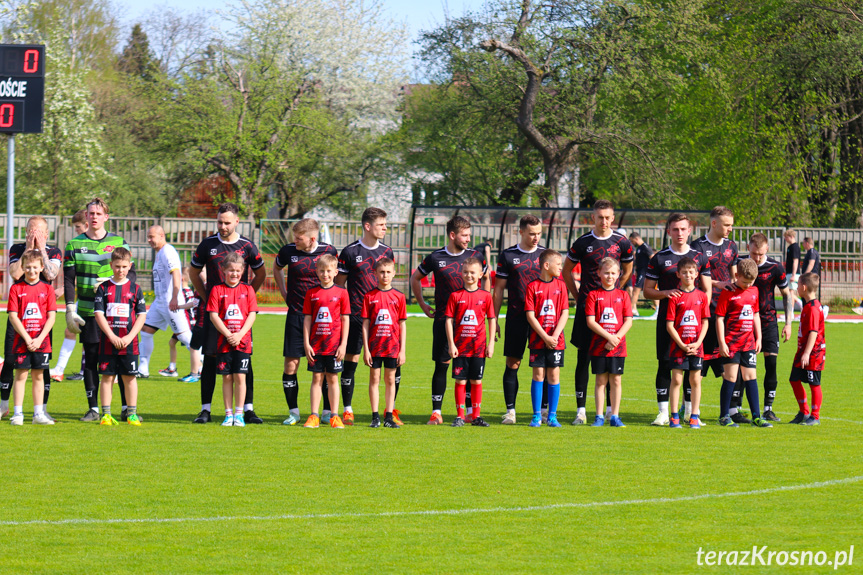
(536, 396)
(752, 398)
(725, 396)
(816, 400)
(4, 405)
(476, 398)
(122, 387)
(467, 400)
(46, 381)
(132, 409)
(206, 407)
(737, 396)
(553, 399)
(771, 382)
(325, 390)
(291, 387)
(146, 346)
(5, 391)
(459, 399)
(347, 381)
(65, 353)
(582, 411)
(663, 383)
(18, 410)
(106, 409)
(545, 394)
(250, 387)
(663, 407)
(582, 375)
(375, 415)
(510, 387)
(238, 411)
(388, 415)
(208, 379)
(185, 338)
(438, 384)
(398, 380)
(248, 407)
(38, 410)
(800, 394)
(172, 366)
(687, 388)
(91, 374)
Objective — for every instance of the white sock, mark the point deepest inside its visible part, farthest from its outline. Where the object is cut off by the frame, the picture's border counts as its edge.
(326, 412)
(145, 347)
(296, 411)
(733, 411)
(184, 338)
(65, 353)
(45, 408)
(687, 407)
(19, 410)
(437, 411)
(248, 407)
(582, 411)
(123, 408)
(205, 407)
(238, 411)
(349, 409)
(4, 405)
(172, 367)
(37, 410)
(663, 407)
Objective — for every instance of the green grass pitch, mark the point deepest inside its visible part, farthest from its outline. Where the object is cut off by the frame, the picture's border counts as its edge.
(172, 497)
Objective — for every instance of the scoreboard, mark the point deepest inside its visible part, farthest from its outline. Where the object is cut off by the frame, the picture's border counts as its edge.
(22, 88)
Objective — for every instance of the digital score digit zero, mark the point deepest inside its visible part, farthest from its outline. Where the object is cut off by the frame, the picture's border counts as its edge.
(22, 88)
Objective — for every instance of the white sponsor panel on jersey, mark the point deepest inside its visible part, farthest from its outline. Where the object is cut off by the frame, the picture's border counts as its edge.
(746, 312)
(32, 311)
(324, 315)
(608, 316)
(117, 310)
(689, 319)
(384, 318)
(469, 318)
(233, 312)
(547, 308)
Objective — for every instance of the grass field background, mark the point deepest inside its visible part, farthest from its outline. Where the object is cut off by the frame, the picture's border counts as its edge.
(422, 499)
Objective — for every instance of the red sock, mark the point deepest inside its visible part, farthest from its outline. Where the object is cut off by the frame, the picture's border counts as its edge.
(816, 400)
(460, 394)
(476, 398)
(800, 394)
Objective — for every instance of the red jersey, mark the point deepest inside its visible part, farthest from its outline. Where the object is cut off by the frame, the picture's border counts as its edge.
(610, 308)
(31, 302)
(385, 311)
(739, 308)
(469, 310)
(326, 306)
(811, 319)
(121, 305)
(688, 311)
(546, 300)
(233, 304)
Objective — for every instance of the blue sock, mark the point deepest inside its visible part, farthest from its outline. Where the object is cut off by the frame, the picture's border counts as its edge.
(536, 396)
(752, 397)
(553, 399)
(725, 395)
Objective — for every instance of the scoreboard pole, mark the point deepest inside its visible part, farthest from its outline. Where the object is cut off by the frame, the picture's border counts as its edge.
(10, 209)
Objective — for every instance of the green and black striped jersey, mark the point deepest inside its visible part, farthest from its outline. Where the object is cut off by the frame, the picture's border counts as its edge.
(84, 262)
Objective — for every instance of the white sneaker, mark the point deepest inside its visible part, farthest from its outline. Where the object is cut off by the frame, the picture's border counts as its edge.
(508, 418)
(48, 415)
(41, 419)
(661, 419)
(17, 420)
(544, 415)
(580, 419)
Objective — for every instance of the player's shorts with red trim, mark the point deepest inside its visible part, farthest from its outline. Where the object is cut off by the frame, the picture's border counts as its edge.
(744, 358)
(326, 364)
(468, 367)
(809, 376)
(686, 363)
(233, 362)
(607, 364)
(32, 360)
(546, 358)
(118, 365)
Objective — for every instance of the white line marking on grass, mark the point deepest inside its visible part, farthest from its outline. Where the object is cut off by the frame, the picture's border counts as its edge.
(433, 512)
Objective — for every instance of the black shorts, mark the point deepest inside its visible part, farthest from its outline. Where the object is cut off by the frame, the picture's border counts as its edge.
(355, 336)
(90, 332)
(770, 337)
(118, 365)
(516, 333)
(31, 360)
(440, 346)
(581, 334)
(663, 338)
(470, 368)
(639, 281)
(606, 364)
(546, 357)
(10, 338)
(293, 346)
(326, 364)
(385, 362)
(715, 365)
(210, 336)
(686, 363)
(805, 376)
(233, 362)
(711, 344)
(744, 358)
(197, 340)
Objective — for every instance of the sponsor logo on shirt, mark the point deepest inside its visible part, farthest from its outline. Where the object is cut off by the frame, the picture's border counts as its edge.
(214, 251)
(608, 316)
(516, 261)
(469, 318)
(383, 318)
(324, 315)
(689, 319)
(32, 311)
(233, 312)
(547, 308)
(117, 310)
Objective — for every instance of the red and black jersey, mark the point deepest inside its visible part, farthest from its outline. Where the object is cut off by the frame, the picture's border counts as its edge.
(590, 250)
(546, 300)
(357, 261)
(233, 304)
(326, 306)
(720, 257)
(302, 272)
(121, 304)
(518, 268)
(446, 268)
(610, 308)
(189, 296)
(209, 255)
(385, 311)
(739, 307)
(663, 269)
(811, 319)
(54, 255)
(771, 275)
(687, 311)
(32, 303)
(469, 310)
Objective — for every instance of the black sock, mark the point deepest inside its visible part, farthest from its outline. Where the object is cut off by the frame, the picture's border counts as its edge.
(398, 380)
(607, 397)
(46, 379)
(121, 384)
(544, 402)
(725, 395)
(752, 397)
(582, 375)
(388, 415)
(510, 387)
(292, 389)
(770, 381)
(375, 415)
(347, 380)
(250, 387)
(6, 377)
(687, 387)
(737, 398)
(91, 374)
(325, 390)
(208, 379)
(663, 382)
(467, 402)
(438, 384)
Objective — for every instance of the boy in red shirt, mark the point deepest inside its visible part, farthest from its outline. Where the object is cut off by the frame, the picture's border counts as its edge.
(609, 317)
(233, 308)
(32, 307)
(811, 351)
(120, 311)
(325, 337)
(738, 331)
(384, 316)
(546, 304)
(466, 312)
(687, 324)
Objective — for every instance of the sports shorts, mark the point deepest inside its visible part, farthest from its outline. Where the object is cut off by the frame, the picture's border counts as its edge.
(440, 346)
(293, 346)
(160, 317)
(546, 358)
(805, 376)
(118, 365)
(233, 362)
(516, 333)
(770, 337)
(326, 364)
(468, 367)
(31, 360)
(385, 362)
(581, 334)
(355, 336)
(744, 358)
(686, 363)
(607, 364)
